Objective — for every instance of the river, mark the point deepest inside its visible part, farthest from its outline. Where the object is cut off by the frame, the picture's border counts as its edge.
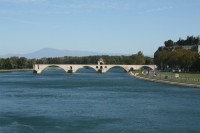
(87, 102)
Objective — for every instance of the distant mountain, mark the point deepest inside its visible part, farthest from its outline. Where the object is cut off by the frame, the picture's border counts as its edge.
(50, 52)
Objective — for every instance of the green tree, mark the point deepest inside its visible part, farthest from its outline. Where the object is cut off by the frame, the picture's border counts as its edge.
(6, 64)
(169, 43)
(138, 59)
(21, 62)
(13, 61)
(188, 59)
(30, 63)
(161, 59)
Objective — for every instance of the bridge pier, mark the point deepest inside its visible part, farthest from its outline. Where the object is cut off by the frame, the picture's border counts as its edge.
(34, 71)
(70, 71)
(100, 71)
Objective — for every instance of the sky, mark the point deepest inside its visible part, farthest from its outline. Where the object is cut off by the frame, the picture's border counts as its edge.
(108, 26)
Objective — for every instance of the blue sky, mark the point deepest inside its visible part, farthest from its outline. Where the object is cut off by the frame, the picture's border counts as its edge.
(108, 26)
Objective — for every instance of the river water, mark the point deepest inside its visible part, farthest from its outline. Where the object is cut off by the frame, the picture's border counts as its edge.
(87, 102)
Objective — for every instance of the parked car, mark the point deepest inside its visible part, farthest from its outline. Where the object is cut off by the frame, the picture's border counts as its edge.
(177, 70)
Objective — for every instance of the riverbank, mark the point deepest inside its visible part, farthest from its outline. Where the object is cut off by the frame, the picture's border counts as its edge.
(15, 70)
(165, 81)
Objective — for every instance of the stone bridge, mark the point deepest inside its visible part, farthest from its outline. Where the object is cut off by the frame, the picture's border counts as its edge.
(101, 68)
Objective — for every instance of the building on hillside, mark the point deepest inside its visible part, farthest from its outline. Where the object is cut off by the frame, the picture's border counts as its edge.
(195, 48)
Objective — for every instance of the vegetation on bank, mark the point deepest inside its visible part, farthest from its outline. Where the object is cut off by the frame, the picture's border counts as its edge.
(195, 76)
(189, 41)
(180, 55)
(14, 70)
(24, 63)
(183, 54)
(187, 78)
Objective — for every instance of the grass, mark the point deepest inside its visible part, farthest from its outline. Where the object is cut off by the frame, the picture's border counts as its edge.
(189, 78)
(183, 75)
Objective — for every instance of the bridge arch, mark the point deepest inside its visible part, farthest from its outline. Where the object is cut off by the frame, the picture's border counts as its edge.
(146, 67)
(117, 66)
(85, 67)
(131, 69)
(41, 69)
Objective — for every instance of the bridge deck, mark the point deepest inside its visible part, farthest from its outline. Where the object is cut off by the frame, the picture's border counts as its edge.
(38, 68)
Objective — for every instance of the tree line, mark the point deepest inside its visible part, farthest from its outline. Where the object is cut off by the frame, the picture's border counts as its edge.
(178, 57)
(24, 63)
(189, 41)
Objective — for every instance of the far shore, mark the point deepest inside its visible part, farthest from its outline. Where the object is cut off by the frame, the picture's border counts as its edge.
(14, 70)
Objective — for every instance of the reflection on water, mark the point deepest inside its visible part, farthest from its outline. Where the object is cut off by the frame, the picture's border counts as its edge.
(88, 102)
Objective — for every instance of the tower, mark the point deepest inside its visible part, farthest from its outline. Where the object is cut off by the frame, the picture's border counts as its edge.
(101, 62)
